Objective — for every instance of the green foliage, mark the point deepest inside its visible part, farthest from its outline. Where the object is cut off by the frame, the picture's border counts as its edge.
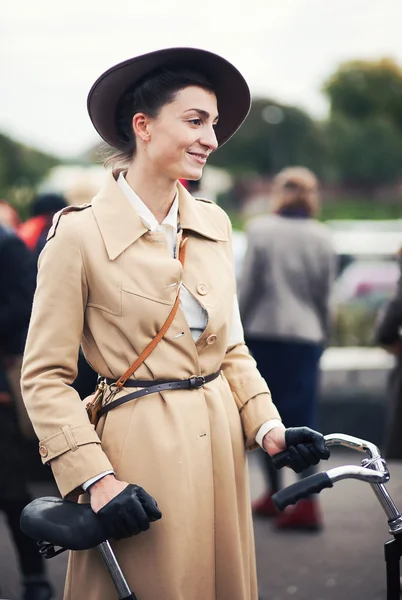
(353, 325)
(364, 153)
(367, 89)
(364, 132)
(21, 169)
(274, 136)
(360, 207)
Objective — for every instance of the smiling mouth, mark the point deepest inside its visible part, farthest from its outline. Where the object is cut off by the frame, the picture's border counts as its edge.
(200, 158)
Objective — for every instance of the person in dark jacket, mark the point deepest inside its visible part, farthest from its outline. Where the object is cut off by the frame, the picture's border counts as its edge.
(388, 334)
(43, 208)
(17, 274)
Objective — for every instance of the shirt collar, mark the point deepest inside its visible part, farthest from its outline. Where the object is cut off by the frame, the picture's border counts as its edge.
(120, 225)
(142, 209)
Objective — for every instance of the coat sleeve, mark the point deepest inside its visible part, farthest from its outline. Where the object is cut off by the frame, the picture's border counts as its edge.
(249, 389)
(249, 285)
(68, 442)
(324, 290)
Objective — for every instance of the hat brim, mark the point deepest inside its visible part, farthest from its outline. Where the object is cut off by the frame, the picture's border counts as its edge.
(230, 87)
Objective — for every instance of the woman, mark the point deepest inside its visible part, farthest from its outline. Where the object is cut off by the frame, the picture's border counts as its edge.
(284, 299)
(109, 276)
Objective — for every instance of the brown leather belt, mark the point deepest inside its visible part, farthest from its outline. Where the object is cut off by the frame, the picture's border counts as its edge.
(156, 385)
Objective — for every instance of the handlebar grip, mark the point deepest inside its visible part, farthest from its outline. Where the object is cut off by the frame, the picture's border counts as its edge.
(282, 459)
(301, 489)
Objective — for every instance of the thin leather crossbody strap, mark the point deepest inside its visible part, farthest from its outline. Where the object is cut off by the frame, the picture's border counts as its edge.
(153, 343)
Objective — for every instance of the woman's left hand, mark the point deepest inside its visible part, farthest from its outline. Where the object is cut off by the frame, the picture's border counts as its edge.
(305, 447)
(274, 441)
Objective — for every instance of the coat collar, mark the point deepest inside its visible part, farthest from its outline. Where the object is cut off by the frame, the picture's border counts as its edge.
(120, 225)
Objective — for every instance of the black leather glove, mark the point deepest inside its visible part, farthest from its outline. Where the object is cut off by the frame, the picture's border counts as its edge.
(305, 447)
(129, 513)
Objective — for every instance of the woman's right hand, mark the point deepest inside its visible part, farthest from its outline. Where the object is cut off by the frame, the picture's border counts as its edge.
(124, 509)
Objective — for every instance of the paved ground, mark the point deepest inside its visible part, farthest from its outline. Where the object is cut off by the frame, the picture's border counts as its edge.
(345, 561)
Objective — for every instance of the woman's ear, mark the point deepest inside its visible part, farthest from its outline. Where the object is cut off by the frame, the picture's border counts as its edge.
(140, 126)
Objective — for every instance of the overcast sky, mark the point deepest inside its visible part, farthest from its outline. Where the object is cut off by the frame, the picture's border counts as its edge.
(51, 52)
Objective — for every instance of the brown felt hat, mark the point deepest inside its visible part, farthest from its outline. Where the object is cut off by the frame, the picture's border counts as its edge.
(229, 85)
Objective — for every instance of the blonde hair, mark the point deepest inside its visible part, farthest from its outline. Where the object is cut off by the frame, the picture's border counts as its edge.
(296, 188)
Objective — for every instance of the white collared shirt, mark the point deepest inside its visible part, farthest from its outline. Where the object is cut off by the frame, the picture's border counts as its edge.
(195, 314)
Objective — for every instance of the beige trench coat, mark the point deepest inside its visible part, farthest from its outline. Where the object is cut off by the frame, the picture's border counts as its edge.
(107, 282)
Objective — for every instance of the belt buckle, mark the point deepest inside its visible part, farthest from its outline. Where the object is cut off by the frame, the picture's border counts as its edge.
(197, 381)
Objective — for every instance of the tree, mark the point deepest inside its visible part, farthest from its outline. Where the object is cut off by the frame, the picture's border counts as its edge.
(364, 131)
(21, 167)
(364, 153)
(273, 136)
(367, 89)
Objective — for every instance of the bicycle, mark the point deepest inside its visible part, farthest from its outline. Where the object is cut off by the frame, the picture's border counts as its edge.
(374, 471)
(70, 526)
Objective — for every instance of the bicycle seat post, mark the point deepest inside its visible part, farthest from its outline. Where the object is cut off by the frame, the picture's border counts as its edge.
(115, 572)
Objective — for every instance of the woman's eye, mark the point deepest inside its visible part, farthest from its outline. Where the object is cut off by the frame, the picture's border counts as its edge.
(195, 121)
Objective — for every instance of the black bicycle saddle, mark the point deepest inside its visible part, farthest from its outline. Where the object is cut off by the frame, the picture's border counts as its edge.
(62, 523)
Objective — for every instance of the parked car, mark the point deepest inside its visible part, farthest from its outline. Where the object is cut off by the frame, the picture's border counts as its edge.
(367, 282)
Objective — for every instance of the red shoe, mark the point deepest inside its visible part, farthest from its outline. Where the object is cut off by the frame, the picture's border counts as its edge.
(305, 515)
(264, 507)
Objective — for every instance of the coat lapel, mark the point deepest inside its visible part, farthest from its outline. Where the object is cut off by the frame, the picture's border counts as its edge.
(196, 215)
(120, 225)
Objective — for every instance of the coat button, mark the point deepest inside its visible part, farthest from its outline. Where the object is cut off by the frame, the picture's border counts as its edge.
(43, 451)
(202, 289)
(211, 339)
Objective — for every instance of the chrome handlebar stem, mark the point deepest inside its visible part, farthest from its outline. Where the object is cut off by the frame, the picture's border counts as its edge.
(373, 470)
(355, 472)
(354, 443)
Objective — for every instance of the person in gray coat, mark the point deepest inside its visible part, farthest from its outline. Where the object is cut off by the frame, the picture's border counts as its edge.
(284, 297)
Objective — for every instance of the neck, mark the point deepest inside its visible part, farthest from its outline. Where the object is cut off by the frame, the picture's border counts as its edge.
(156, 191)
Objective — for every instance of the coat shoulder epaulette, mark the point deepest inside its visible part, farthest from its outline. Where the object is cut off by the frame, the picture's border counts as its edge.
(205, 200)
(64, 211)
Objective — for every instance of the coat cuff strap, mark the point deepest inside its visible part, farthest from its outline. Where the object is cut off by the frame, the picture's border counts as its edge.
(68, 438)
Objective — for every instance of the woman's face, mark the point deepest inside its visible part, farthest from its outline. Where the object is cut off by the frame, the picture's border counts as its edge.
(183, 135)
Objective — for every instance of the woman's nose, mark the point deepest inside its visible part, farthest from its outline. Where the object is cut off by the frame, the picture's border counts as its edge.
(209, 139)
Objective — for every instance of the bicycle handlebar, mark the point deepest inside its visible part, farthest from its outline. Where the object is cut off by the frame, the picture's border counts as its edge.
(319, 481)
(301, 489)
(281, 459)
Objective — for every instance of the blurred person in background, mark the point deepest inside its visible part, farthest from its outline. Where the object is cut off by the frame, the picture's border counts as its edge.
(43, 208)
(8, 215)
(81, 191)
(284, 298)
(17, 276)
(388, 334)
